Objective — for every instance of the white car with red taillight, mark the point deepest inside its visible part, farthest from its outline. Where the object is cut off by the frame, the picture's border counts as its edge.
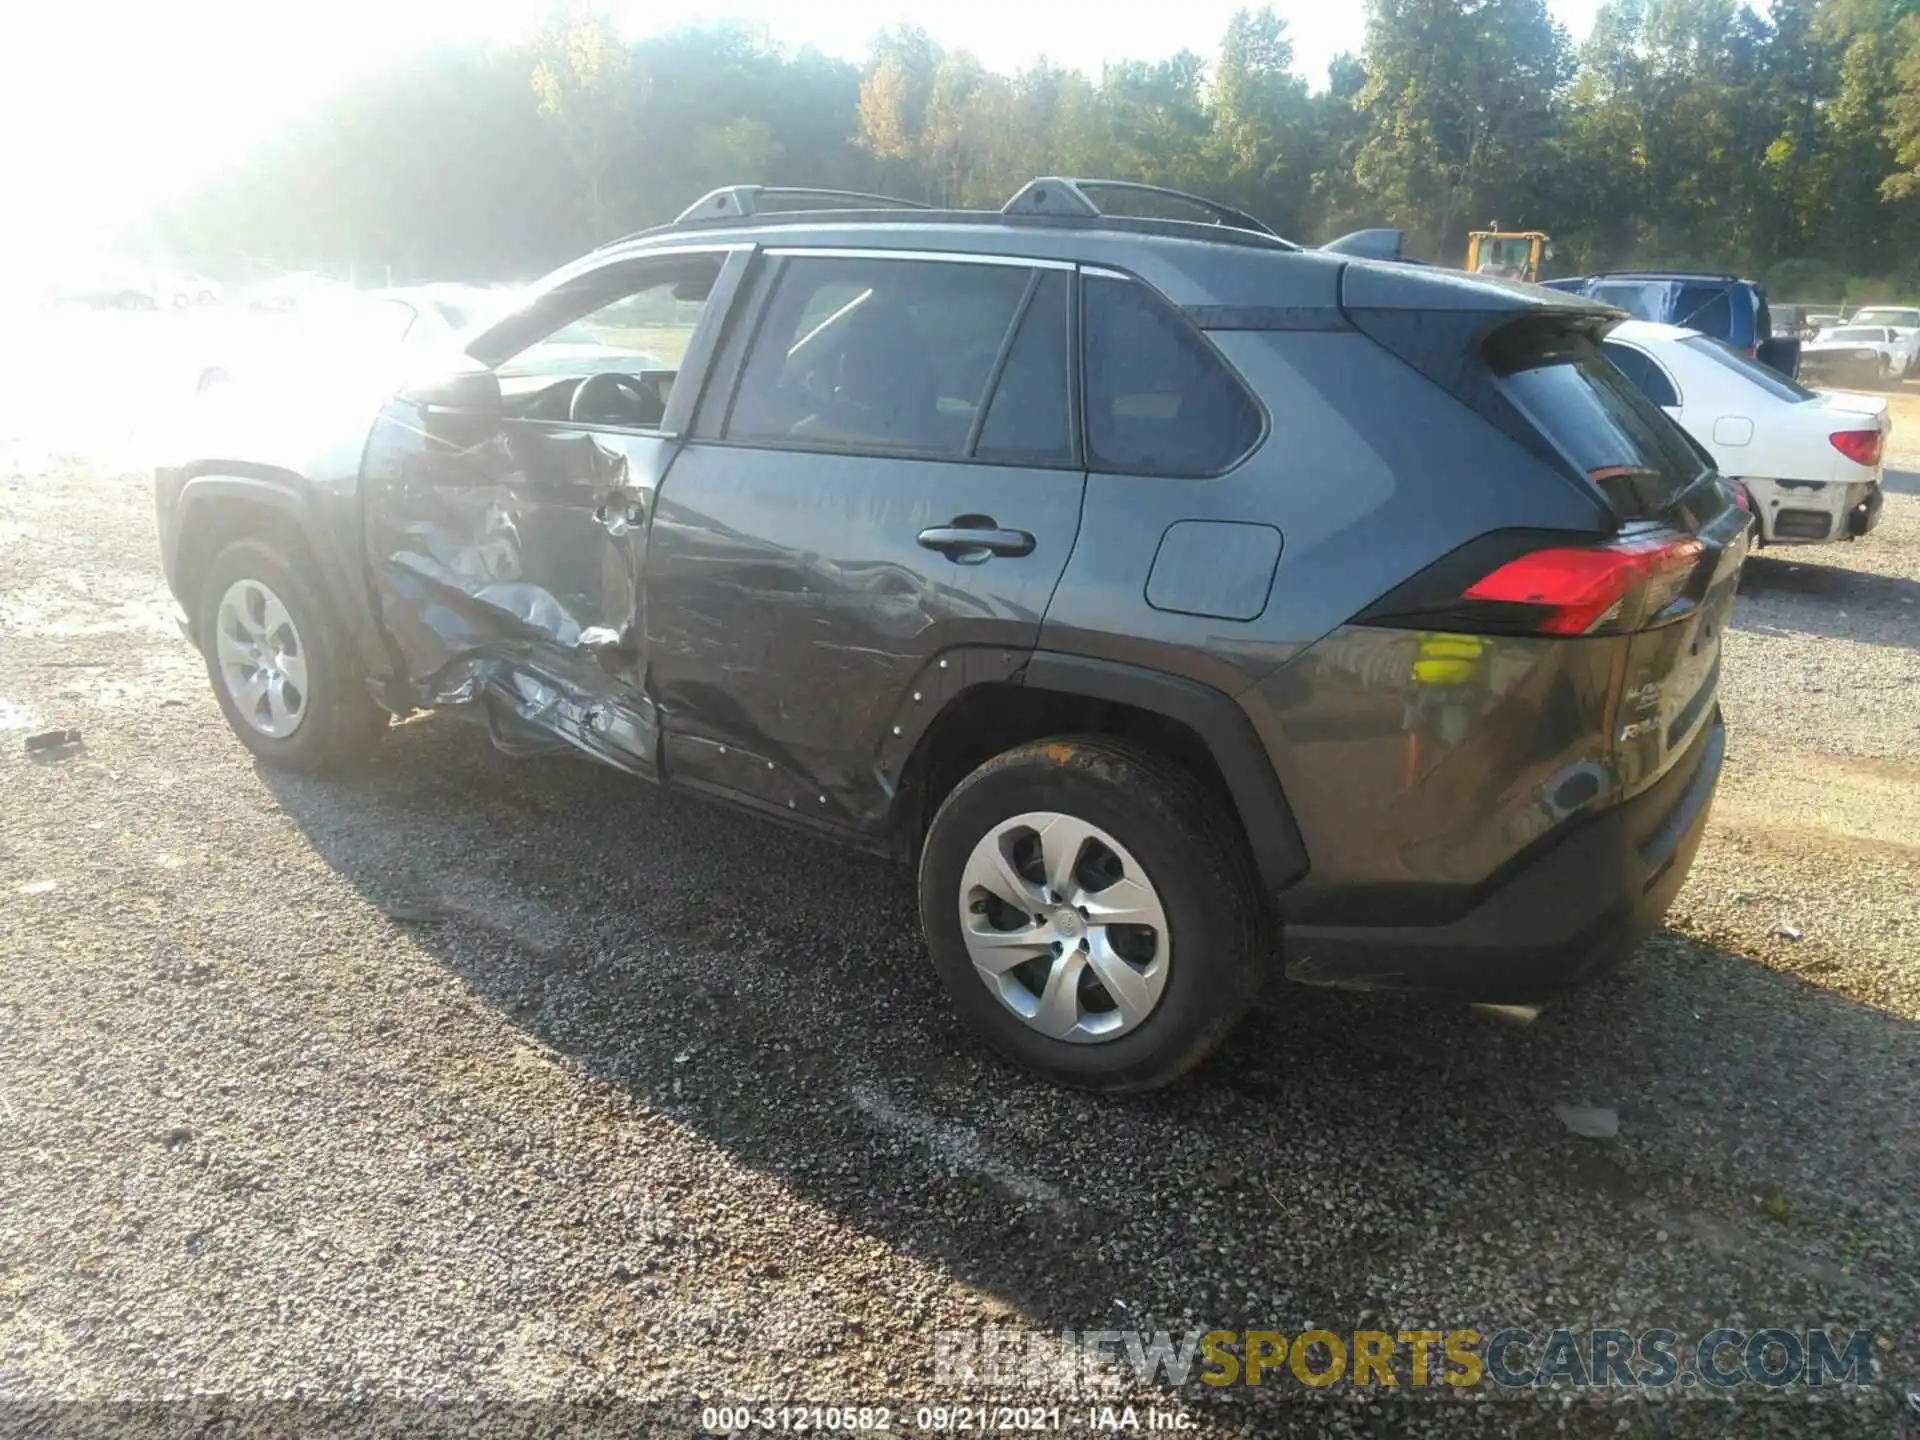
(1809, 462)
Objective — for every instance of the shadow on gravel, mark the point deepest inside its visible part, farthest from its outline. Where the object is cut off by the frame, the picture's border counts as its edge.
(1848, 602)
(1346, 1160)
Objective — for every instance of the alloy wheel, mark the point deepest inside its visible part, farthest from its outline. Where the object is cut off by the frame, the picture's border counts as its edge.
(263, 662)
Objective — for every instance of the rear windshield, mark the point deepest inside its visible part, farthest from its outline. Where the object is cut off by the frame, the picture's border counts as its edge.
(1765, 376)
(1707, 308)
(1642, 299)
(1593, 415)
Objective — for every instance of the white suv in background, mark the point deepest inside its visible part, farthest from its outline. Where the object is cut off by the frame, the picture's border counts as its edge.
(1810, 463)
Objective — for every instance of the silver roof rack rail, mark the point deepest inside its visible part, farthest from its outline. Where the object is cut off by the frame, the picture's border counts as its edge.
(731, 201)
(1061, 195)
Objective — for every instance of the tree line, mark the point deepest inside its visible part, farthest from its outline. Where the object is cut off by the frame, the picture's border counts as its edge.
(1782, 141)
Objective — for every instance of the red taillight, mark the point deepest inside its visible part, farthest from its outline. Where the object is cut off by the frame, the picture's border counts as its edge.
(1860, 446)
(1576, 590)
(1740, 495)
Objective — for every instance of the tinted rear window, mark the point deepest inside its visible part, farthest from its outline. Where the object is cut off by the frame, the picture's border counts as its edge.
(1593, 415)
(1708, 308)
(1642, 299)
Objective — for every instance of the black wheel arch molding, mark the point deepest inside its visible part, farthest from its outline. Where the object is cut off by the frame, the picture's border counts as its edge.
(1279, 852)
(1218, 722)
(196, 498)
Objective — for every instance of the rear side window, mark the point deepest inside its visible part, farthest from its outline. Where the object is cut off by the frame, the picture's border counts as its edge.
(1595, 417)
(1160, 400)
(1648, 378)
(876, 354)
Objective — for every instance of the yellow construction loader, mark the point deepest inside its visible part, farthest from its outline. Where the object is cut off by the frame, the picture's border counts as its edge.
(1509, 254)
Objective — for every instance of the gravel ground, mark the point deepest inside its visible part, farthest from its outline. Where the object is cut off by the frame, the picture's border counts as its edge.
(470, 1080)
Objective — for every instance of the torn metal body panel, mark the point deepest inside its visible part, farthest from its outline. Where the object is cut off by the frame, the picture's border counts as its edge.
(508, 574)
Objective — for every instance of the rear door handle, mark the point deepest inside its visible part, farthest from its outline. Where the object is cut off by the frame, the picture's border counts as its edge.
(971, 544)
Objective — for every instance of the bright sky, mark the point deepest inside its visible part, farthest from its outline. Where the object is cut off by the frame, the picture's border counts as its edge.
(106, 106)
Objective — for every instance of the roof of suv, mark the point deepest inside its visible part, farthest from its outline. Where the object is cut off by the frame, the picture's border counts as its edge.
(1226, 274)
(1712, 277)
(1224, 262)
(1192, 263)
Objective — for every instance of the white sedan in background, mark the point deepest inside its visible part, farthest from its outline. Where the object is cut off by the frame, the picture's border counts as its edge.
(1810, 463)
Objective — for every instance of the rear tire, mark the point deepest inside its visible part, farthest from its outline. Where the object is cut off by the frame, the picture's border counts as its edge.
(280, 664)
(1091, 827)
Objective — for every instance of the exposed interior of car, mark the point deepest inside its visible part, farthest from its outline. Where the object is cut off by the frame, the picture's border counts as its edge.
(636, 399)
(612, 365)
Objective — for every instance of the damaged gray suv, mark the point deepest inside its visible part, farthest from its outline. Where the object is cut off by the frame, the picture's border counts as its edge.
(1178, 602)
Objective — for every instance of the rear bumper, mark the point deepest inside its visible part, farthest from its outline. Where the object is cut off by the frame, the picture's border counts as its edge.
(1864, 516)
(1570, 912)
(1807, 512)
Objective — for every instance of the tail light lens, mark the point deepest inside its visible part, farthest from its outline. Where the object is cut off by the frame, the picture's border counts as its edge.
(1860, 446)
(1553, 589)
(1580, 590)
(1740, 495)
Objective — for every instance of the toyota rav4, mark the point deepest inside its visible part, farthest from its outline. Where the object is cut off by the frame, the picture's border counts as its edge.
(1176, 601)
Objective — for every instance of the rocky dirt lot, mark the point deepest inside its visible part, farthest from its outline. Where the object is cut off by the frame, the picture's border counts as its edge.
(468, 1080)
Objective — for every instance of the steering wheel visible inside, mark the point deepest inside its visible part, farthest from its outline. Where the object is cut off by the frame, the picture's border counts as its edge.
(611, 398)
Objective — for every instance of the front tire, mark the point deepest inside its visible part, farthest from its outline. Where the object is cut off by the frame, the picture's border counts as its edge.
(1091, 913)
(281, 665)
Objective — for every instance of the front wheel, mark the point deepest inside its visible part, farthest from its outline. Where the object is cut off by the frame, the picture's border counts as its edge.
(281, 666)
(1090, 913)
